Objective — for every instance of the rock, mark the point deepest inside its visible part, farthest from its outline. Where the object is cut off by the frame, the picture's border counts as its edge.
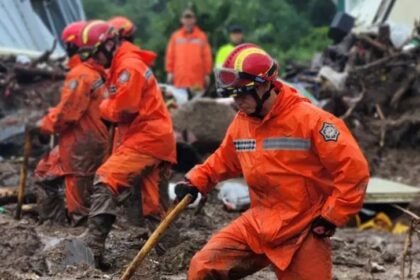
(388, 257)
(215, 115)
(375, 267)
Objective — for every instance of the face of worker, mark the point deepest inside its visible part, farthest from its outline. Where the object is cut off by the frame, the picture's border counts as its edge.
(104, 60)
(188, 21)
(246, 102)
(236, 38)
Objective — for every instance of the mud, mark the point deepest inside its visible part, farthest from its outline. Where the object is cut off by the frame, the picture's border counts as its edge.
(32, 251)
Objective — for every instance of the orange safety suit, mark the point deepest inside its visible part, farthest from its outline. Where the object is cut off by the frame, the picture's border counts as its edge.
(82, 134)
(136, 104)
(299, 162)
(49, 167)
(188, 58)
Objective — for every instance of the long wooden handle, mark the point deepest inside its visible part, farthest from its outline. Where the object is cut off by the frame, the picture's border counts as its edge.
(154, 238)
(24, 171)
(111, 136)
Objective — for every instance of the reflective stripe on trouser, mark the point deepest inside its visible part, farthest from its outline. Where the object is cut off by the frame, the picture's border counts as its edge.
(227, 256)
(126, 169)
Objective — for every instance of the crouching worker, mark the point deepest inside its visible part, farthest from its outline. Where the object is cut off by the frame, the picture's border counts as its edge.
(136, 105)
(83, 136)
(306, 176)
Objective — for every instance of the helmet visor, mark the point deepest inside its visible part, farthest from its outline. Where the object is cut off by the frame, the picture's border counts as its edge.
(229, 78)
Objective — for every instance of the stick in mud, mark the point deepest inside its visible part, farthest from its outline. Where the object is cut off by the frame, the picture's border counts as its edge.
(24, 171)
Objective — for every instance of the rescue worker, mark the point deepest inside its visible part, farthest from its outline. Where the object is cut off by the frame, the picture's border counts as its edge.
(236, 37)
(306, 176)
(136, 105)
(188, 55)
(82, 134)
(126, 30)
(48, 172)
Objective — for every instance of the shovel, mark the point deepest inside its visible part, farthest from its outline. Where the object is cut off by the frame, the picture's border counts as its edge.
(154, 238)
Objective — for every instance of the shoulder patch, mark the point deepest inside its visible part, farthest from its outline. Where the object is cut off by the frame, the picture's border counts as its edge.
(72, 85)
(329, 132)
(124, 77)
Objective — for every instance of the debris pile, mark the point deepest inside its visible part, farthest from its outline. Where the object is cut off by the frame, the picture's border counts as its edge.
(372, 84)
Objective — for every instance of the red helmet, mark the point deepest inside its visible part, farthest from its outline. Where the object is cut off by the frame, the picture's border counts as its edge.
(246, 65)
(94, 34)
(123, 26)
(71, 33)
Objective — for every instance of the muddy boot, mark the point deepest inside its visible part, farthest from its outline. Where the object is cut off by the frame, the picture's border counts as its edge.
(50, 203)
(95, 236)
(101, 218)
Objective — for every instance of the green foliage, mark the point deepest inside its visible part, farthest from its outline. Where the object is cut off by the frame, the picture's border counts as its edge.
(285, 28)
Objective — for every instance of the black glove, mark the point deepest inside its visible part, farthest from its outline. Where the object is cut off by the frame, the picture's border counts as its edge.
(44, 139)
(322, 228)
(183, 188)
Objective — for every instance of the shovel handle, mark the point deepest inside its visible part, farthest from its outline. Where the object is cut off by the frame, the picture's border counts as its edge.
(24, 171)
(154, 238)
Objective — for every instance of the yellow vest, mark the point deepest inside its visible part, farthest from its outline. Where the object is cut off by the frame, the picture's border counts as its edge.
(223, 53)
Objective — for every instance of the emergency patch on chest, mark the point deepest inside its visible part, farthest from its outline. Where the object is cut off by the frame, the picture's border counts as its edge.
(329, 132)
(72, 85)
(124, 77)
(245, 145)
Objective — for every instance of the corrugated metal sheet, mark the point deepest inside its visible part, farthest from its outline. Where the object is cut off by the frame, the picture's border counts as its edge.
(31, 27)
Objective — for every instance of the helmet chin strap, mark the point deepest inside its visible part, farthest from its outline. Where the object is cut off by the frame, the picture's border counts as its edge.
(260, 101)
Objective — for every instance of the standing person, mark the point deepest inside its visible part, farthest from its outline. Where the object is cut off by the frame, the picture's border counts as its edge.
(136, 105)
(188, 55)
(306, 175)
(82, 134)
(236, 37)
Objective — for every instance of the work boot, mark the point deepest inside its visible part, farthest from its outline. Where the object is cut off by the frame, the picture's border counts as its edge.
(101, 218)
(50, 202)
(95, 236)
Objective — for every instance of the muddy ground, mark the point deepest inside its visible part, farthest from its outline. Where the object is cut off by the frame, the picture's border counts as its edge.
(30, 251)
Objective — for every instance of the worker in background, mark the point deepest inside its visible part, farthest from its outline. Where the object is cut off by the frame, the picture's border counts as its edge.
(236, 37)
(82, 134)
(188, 55)
(306, 176)
(136, 105)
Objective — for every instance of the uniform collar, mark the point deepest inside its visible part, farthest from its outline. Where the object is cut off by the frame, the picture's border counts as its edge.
(73, 61)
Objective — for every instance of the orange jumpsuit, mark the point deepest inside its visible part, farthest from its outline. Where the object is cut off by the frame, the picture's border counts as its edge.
(188, 58)
(49, 167)
(82, 134)
(299, 162)
(136, 104)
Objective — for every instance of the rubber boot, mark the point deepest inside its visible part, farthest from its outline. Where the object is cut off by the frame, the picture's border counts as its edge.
(101, 218)
(50, 202)
(95, 236)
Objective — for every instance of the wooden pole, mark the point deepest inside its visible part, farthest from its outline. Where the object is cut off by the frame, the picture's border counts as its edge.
(24, 171)
(154, 238)
(111, 137)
